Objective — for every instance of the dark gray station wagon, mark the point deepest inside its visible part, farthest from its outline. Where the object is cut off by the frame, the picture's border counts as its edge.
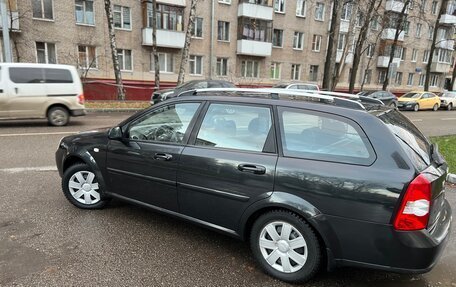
(311, 181)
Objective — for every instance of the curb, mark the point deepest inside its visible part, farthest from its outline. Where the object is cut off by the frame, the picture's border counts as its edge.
(451, 178)
(120, 110)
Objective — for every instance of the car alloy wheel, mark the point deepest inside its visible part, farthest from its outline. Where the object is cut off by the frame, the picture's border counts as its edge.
(84, 188)
(450, 107)
(435, 107)
(416, 108)
(58, 116)
(283, 247)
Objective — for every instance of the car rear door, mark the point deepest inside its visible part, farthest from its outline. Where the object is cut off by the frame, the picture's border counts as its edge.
(228, 164)
(3, 94)
(143, 165)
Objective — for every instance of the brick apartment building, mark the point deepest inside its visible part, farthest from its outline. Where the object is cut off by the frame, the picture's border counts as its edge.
(248, 42)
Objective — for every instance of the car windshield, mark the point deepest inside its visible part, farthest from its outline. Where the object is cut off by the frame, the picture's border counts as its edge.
(447, 95)
(280, 86)
(412, 95)
(186, 85)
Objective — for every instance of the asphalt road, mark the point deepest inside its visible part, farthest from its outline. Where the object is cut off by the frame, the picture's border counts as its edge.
(438, 123)
(45, 241)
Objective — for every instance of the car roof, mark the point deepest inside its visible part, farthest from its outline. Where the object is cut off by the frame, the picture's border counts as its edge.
(35, 65)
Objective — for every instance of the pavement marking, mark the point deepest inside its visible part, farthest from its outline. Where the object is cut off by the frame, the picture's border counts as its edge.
(417, 120)
(448, 119)
(38, 134)
(25, 169)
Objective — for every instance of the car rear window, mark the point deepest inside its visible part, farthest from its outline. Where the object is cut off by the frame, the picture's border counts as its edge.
(57, 76)
(28, 75)
(414, 143)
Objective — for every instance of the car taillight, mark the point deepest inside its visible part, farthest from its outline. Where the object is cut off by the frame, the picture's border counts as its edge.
(415, 206)
(81, 99)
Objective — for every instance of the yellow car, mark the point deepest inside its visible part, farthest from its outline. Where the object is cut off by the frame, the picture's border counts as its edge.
(416, 101)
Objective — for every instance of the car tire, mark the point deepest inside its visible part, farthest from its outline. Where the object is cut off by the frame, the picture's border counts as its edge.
(81, 187)
(435, 107)
(392, 105)
(416, 107)
(449, 107)
(268, 242)
(58, 116)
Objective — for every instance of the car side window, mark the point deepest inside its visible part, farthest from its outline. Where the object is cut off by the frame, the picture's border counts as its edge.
(320, 136)
(200, 85)
(166, 124)
(240, 127)
(26, 75)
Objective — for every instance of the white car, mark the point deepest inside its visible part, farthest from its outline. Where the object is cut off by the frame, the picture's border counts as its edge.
(447, 100)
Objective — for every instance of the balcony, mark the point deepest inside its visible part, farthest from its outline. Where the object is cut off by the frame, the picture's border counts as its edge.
(172, 2)
(165, 38)
(257, 11)
(344, 26)
(15, 22)
(383, 61)
(447, 44)
(254, 48)
(439, 67)
(390, 33)
(395, 6)
(448, 19)
(348, 57)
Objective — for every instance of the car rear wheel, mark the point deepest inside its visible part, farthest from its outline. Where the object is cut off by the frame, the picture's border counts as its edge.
(285, 246)
(81, 187)
(58, 116)
(392, 105)
(450, 107)
(435, 107)
(416, 107)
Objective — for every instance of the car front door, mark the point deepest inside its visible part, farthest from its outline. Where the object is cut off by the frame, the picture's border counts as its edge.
(228, 164)
(142, 165)
(3, 94)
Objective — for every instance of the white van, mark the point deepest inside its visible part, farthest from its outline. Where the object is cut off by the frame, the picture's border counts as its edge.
(40, 91)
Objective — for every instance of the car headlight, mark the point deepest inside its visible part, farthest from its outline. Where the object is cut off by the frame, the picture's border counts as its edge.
(62, 144)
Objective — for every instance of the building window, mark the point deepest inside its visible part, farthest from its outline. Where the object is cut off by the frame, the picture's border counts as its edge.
(367, 76)
(125, 59)
(398, 79)
(410, 79)
(168, 17)
(422, 79)
(414, 55)
(84, 12)
(45, 53)
(316, 43)
(254, 29)
(313, 73)
(418, 30)
(196, 65)
(402, 53)
(122, 17)
(279, 6)
(434, 80)
(430, 32)
(197, 29)
(295, 72)
(275, 71)
(250, 69)
(225, 1)
(406, 28)
(301, 8)
(370, 50)
(346, 12)
(426, 56)
(442, 56)
(381, 76)
(434, 7)
(87, 58)
(223, 29)
(42, 9)
(341, 41)
(277, 38)
(374, 23)
(165, 61)
(319, 11)
(222, 67)
(298, 41)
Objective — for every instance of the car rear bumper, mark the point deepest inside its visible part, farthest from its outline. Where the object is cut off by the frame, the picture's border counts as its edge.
(78, 112)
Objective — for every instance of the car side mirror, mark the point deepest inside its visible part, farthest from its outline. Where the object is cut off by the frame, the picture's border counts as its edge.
(115, 133)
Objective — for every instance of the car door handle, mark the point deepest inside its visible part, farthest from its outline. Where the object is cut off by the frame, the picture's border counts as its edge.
(16, 90)
(163, 156)
(253, 168)
(1, 91)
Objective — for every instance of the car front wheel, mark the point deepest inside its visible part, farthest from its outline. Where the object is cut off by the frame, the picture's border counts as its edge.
(81, 187)
(435, 107)
(416, 107)
(285, 246)
(450, 107)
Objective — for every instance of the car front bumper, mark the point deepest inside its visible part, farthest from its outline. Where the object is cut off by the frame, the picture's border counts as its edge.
(406, 107)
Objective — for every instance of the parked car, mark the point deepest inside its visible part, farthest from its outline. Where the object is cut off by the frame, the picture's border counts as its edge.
(191, 85)
(416, 101)
(447, 100)
(30, 91)
(386, 97)
(298, 86)
(301, 178)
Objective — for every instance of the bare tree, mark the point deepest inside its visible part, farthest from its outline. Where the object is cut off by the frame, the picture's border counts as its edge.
(453, 77)
(372, 8)
(331, 52)
(436, 27)
(154, 45)
(113, 44)
(188, 37)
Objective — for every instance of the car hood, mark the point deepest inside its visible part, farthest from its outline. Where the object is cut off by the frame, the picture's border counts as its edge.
(447, 99)
(407, 100)
(88, 135)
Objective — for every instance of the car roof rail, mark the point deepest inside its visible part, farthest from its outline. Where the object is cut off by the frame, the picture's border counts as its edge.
(274, 93)
(362, 99)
